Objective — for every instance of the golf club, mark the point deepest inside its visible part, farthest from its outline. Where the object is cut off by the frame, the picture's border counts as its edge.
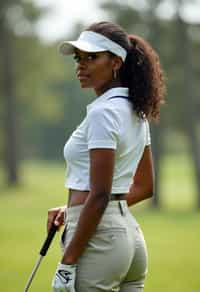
(42, 253)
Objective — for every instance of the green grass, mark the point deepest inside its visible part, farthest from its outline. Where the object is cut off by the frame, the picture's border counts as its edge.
(172, 234)
(178, 188)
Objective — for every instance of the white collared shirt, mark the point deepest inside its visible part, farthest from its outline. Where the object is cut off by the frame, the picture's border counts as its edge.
(110, 123)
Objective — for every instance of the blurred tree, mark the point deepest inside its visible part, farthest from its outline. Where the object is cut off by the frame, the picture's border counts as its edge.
(16, 17)
(46, 97)
(9, 101)
(72, 98)
(154, 38)
(189, 94)
(9, 106)
(50, 103)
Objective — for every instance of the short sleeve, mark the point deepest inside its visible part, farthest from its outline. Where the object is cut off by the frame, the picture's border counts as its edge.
(102, 128)
(148, 134)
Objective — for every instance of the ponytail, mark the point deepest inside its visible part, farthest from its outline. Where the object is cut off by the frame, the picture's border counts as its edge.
(141, 72)
(143, 75)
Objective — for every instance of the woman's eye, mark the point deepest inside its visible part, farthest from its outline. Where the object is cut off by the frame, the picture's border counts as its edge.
(88, 57)
(77, 58)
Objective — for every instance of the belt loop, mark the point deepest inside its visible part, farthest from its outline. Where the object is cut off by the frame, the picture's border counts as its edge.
(121, 208)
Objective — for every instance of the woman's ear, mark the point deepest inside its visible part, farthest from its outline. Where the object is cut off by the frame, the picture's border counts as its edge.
(117, 63)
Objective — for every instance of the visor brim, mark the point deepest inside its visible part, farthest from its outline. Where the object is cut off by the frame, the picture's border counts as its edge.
(67, 47)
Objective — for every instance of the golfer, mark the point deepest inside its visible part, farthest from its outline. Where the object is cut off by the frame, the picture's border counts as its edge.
(109, 162)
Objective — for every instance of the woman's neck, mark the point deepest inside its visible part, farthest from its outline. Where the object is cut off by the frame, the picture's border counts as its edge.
(113, 84)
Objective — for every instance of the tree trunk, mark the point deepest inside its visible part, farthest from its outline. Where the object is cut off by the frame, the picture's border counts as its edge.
(10, 123)
(157, 153)
(189, 98)
(156, 130)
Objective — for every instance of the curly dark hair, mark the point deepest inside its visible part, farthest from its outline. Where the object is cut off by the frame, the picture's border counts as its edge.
(141, 72)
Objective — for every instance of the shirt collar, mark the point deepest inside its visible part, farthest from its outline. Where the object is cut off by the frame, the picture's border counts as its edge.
(116, 91)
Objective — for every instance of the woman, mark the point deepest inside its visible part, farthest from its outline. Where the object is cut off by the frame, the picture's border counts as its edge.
(109, 162)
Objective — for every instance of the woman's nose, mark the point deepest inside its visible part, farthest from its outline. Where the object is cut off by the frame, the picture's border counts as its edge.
(81, 65)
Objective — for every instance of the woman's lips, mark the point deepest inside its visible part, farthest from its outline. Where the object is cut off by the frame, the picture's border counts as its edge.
(82, 76)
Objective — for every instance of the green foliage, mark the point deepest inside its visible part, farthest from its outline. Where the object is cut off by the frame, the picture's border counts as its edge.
(122, 13)
(17, 16)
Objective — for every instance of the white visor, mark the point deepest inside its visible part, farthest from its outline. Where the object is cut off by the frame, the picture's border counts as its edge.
(93, 42)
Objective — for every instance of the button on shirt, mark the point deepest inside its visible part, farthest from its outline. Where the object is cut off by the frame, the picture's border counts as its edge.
(110, 123)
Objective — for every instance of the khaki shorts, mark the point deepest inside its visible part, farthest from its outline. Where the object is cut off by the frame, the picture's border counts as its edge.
(115, 258)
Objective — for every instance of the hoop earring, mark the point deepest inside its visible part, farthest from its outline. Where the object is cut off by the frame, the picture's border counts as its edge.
(115, 74)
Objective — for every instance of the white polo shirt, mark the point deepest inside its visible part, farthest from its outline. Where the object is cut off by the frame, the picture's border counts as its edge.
(110, 123)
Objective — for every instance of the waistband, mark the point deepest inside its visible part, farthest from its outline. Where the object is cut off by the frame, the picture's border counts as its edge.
(117, 197)
(113, 208)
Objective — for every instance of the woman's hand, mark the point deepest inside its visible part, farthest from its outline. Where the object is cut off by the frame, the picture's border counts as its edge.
(64, 278)
(56, 216)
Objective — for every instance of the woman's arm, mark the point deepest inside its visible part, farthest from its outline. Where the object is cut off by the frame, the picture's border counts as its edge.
(101, 173)
(143, 181)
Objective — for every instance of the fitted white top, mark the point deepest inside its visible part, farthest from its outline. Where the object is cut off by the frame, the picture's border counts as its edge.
(110, 123)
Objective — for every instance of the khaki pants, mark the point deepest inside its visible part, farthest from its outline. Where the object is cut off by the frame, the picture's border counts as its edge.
(115, 258)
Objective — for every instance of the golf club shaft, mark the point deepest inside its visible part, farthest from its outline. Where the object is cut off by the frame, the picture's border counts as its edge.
(33, 273)
(43, 252)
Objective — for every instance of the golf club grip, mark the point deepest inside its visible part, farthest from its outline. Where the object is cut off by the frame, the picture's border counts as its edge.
(48, 240)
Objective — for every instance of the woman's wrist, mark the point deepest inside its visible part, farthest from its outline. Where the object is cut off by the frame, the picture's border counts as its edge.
(68, 260)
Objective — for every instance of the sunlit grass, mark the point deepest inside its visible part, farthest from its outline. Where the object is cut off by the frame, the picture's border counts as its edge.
(177, 185)
(172, 234)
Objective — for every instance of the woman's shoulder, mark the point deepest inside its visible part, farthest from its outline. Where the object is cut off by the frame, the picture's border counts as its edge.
(107, 109)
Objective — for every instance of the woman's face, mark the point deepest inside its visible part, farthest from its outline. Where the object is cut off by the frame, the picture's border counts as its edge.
(95, 70)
